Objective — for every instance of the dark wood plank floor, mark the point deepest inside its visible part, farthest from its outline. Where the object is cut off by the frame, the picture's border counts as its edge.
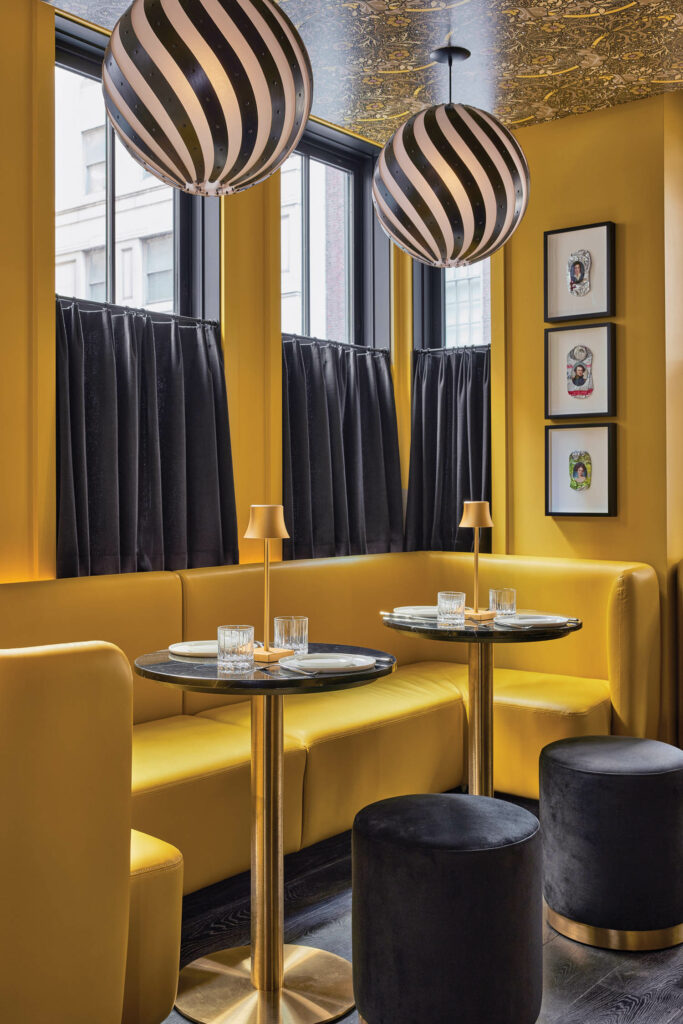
(581, 985)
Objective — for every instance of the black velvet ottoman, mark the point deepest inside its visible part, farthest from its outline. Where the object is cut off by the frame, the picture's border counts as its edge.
(447, 911)
(611, 810)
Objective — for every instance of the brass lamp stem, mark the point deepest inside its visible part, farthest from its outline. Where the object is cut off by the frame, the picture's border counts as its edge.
(266, 595)
(476, 569)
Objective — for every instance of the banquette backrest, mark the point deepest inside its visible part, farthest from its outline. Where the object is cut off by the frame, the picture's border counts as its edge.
(618, 602)
(342, 598)
(139, 612)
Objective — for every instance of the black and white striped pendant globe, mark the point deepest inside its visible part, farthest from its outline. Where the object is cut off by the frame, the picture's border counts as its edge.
(451, 185)
(210, 96)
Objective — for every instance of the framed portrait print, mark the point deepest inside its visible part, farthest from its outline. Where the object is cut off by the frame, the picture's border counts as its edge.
(580, 371)
(580, 470)
(579, 272)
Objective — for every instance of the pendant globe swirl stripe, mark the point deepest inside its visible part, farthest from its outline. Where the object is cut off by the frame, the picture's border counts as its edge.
(451, 185)
(210, 96)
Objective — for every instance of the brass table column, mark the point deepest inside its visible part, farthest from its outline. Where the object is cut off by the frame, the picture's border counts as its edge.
(480, 741)
(267, 983)
(267, 878)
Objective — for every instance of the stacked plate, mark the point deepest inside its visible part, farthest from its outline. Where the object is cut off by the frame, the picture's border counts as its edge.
(417, 611)
(332, 663)
(195, 649)
(529, 620)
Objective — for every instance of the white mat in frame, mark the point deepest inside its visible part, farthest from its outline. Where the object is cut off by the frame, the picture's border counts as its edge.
(600, 340)
(600, 442)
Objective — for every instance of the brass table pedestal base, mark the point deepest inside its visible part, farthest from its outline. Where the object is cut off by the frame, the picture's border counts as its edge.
(612, 938)
(217, 989)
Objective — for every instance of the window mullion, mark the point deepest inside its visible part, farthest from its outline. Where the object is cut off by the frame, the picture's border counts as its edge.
(306, 256)
(110, 213)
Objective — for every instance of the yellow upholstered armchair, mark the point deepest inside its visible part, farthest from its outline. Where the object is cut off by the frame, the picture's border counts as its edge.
(89, 912)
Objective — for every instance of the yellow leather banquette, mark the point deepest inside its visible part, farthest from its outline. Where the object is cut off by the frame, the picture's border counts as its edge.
(404, 733)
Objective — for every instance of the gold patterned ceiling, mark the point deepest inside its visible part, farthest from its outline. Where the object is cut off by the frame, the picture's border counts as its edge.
(529, 64)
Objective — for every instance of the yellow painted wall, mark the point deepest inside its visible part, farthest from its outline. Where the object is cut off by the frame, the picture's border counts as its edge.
(252, 346)
(27, 340)
(607, 165)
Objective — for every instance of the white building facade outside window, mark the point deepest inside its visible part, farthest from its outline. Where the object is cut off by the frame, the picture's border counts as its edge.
(143, 208)
(467, 305)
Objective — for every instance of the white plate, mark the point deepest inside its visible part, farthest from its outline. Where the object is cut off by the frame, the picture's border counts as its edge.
(196, 649)
(327, 662)
(523, 619)
(418, 611)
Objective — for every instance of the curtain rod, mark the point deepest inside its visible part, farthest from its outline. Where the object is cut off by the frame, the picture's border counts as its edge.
(339, 344)
(91, 303)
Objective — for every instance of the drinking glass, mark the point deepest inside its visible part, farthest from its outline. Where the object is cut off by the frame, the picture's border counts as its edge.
(503, 601)
(236, 648)
(451, 608)
(291, 633)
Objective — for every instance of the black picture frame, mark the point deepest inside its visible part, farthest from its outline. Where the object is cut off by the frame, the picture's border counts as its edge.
(610, 304)
(611, 429)
(611, 343)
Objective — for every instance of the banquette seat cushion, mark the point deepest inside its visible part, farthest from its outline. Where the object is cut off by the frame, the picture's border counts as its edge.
(156, 887)
(191, 785)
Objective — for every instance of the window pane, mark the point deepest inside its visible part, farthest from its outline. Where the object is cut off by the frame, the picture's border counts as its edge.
(95, 263)
(467, 295)
(158, 262)
(95, 158)
(330, 256)
(80, 225)
(144, 236)
(291, 245)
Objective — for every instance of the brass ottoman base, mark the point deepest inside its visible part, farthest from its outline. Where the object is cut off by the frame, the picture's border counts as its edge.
(612, 938)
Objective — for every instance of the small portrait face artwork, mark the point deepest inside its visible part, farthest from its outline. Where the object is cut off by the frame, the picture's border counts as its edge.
(580, 471)
(580, 372)
(578, 272)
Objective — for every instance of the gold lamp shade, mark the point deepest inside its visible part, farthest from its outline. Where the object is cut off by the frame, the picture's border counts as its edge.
(266, 522)
(476, 513)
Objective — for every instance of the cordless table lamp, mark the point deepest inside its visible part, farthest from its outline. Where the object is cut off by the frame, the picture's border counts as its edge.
(266, 523)
(477, 515)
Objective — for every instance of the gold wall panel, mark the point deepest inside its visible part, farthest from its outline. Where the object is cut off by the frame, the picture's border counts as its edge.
(530, 64)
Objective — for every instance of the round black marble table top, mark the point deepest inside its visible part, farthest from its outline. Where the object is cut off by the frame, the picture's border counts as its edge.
(479, 632)
(206, 676)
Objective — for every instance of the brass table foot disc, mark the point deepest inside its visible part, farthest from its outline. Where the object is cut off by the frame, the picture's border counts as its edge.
(217, 989)
(612, 938)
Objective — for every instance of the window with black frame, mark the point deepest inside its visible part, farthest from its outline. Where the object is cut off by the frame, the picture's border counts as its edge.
(452, 308)
(121, 235)
(451, 404)
(144, 465)
(335, 259)
(341, 470)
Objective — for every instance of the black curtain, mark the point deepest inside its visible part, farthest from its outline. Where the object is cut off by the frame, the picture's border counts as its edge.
(450, 450)
(144, 466)
(342, 473)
